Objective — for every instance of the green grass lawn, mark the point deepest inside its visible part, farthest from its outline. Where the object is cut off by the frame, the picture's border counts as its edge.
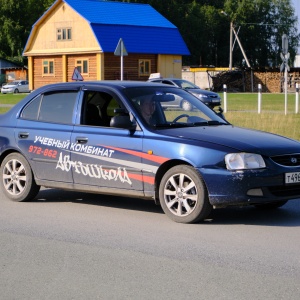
(269, 102)
(11, 98)
(242, 110)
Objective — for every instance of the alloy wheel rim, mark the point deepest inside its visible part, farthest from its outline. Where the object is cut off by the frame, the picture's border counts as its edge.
(180, 194)
(14, 177)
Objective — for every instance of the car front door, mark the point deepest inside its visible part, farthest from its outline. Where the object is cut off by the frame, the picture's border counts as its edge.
(102, 156)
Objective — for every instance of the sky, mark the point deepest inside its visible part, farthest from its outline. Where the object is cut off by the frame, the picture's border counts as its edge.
(296, 4)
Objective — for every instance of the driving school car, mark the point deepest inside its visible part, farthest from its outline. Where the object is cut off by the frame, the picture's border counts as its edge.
(91, 136)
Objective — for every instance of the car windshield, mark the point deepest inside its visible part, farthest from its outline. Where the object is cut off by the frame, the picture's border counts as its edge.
(167, 107)
(14, 83)
(184, 84)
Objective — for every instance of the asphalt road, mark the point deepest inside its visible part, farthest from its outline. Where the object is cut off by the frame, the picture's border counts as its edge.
(67, 245)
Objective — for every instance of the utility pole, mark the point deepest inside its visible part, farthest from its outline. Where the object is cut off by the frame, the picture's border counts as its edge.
(230, 47)
(232, 31)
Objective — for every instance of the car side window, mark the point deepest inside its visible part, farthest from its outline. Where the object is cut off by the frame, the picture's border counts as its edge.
(30, 112)
(167, 82)
(98, 108)
(113, 104)
(58, 107)
(51, 107)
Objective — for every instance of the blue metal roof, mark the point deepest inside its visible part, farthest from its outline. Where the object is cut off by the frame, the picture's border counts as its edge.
(141, 27)
(138, 39)
(119, 13)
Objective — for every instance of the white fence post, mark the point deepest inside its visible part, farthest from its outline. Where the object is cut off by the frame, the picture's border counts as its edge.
(297, 98)
(225, 97)
(259, 98)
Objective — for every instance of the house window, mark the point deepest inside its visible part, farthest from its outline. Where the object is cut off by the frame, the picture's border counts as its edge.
(48, 67)
(64, 34)
(82, 66)
(144, 67)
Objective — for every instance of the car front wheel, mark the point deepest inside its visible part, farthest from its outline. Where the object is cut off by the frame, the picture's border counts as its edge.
(183, 195)
(17, 181)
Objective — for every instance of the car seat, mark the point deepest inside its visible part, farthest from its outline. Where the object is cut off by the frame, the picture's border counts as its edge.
(92, 116)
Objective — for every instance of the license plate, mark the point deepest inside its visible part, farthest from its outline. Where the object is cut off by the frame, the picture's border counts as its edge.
(292, 177)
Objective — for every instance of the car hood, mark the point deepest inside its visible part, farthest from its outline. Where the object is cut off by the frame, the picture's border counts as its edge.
(240, 139)
(202, 92)
(9, 85)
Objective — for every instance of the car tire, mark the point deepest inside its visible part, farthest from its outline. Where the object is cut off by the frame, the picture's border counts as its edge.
(271, 205)
(17, 180)
(187, 106)
(16, 91)
(183, 195)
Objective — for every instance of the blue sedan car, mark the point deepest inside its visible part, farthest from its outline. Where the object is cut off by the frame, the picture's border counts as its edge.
(118, 138)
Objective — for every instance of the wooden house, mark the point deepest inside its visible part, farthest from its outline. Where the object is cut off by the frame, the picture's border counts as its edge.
(10, 71)
(84, 34)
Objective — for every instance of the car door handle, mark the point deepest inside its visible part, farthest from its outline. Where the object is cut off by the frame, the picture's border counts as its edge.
(23, 135)
(81, 140)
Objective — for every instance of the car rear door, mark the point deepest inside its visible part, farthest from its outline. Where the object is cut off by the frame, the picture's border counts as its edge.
(24, 87)
(44, 130)
(102, 156)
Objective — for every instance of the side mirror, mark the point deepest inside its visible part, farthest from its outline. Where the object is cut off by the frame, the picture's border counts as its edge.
(122, 122)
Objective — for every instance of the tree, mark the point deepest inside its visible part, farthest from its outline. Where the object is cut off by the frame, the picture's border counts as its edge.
(262, 24)
(16, 20)
(201, 23)
(206, 30)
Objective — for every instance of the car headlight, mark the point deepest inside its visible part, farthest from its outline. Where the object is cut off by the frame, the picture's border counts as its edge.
(199, 95)
(244, 161)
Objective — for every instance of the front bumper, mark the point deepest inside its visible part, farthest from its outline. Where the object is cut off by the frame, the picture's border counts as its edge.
(5, 91)
(211, 103)
(247, 187)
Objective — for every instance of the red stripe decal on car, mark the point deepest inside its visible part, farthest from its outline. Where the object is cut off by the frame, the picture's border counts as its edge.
(157, 159)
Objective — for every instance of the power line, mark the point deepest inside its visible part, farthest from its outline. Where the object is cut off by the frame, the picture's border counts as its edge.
(261, 24)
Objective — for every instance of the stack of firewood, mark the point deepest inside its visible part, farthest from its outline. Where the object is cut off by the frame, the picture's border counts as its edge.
(233, 80)
(248, 80)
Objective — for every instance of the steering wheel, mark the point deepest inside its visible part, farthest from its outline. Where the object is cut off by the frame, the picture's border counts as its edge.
(180, 116)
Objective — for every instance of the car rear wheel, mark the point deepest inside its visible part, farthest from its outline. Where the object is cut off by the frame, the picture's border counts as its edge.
(183, 195)
(17, 181)
(271, 205)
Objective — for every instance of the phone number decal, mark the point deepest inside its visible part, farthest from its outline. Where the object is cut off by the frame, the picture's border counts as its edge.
(41, 151)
